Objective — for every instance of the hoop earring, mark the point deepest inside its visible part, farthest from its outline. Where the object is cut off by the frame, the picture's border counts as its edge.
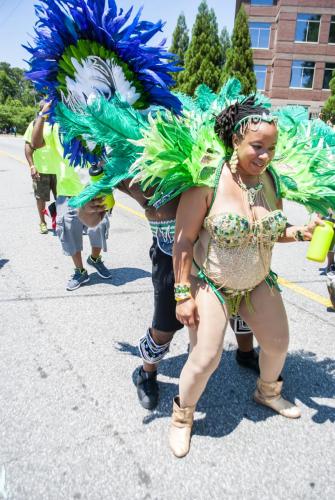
(233, 162)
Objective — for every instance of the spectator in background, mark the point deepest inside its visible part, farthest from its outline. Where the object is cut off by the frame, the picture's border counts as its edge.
(43, 168)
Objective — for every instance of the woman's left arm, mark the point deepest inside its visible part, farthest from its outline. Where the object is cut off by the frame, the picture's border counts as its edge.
(298, 233)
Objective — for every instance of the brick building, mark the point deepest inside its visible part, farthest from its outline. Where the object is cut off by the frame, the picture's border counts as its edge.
(294, 49)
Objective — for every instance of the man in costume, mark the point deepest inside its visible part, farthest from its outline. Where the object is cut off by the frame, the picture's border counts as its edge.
(85, 56)
(154, 345)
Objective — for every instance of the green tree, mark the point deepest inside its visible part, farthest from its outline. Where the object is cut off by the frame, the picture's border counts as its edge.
(328, 110)
(17, 98)
(225, 43)
(180, 43)
(8, 87)
(239, 61)
(15, 113)
(13, 84)
(180, 39)
(204, 55)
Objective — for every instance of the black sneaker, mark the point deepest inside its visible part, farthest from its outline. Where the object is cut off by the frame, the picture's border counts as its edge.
(330, 271)
(147, 389)
(248, 360)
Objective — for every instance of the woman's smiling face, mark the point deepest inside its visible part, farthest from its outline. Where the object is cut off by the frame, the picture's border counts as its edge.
(256, 149)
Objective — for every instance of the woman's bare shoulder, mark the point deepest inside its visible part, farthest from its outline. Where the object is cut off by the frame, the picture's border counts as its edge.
(200, 193)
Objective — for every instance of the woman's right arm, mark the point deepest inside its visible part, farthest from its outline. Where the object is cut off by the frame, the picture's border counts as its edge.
(192, 210)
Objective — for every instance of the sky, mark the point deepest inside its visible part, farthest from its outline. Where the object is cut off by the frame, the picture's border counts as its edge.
(17, 19)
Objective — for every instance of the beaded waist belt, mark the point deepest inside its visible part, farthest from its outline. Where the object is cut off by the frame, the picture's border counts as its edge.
(164, 232)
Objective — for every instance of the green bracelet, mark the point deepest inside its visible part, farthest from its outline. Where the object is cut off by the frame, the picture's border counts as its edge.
(182, 292)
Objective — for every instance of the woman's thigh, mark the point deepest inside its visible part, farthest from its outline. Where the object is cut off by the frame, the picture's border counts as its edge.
(209, 334)
(268, 319)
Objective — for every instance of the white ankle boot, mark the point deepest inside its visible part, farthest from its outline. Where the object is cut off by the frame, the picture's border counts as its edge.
(180, 429)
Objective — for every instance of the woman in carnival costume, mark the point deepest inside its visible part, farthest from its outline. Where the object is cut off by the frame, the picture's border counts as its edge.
(229, 218)
(222, 259)
(103, 80)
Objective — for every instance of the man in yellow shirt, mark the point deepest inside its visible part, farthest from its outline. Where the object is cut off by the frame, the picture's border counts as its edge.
(43, 170)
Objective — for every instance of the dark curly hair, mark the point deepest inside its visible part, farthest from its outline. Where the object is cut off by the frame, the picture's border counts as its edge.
(225, 122)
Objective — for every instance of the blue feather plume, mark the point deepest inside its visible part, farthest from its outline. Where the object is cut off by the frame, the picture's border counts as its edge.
(62, 23)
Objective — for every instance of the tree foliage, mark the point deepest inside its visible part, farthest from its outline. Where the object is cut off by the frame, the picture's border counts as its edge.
(328, 110)
(14, 113)
(180, 39)
(225, 43)
(180, 43)
(204, 56)
(239, 61)
(17, 98)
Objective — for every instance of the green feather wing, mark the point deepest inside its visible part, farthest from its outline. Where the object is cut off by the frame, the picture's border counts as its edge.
(304, 161)
(73, 125)
(116, 170)
(177, 156)
(204, 97)
(118, 126)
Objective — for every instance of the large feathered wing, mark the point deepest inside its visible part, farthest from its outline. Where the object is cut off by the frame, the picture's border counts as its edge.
(183, 152)
(177, 154)
(115, 125)
(305, 160)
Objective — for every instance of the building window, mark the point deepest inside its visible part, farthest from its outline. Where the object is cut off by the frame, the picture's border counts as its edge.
(302, 74)
(308, 27)
(260, 35)
(332, 30)
(261, 2)
(260, 72)
(328, 75)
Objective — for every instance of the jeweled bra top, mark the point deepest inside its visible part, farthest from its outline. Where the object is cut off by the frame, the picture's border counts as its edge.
(231, 230)
(237, 252)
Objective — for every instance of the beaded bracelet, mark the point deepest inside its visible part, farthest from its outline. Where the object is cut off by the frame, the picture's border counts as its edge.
(181, 292)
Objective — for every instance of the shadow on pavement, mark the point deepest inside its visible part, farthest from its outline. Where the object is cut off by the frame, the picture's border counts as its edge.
(3, 262)
(227, 399)
(120, 276)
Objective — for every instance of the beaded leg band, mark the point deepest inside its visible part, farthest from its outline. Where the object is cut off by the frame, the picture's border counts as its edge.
(239, 326)
(151, 352)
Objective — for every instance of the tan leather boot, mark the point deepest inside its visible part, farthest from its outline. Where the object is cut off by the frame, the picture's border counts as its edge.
(180, 429)
(269, 394)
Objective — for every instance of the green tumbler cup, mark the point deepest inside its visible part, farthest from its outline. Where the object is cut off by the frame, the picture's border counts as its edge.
(96, 173)
(321, 241)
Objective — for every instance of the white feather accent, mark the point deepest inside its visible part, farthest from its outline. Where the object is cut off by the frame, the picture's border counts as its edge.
(94, 77)
(83, 175)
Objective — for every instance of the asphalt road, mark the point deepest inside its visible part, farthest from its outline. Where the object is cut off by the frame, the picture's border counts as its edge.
(70, 423)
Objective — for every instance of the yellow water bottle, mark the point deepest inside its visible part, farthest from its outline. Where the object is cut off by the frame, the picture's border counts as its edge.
(321, 241)
(96, 173)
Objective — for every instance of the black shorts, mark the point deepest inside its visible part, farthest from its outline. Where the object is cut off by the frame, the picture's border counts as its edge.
(164, 317)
